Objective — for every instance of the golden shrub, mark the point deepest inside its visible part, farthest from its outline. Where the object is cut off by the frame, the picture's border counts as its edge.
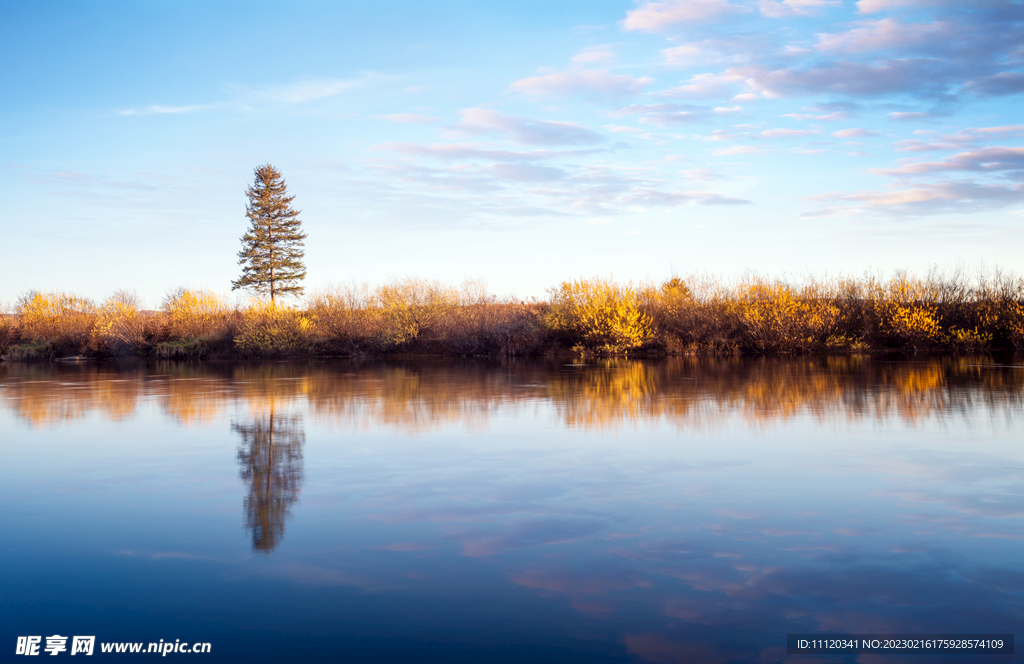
(776, 317)
(56, 315)
(119, 321)
(341, 312)
(195, 313)
(604, 315)
(411, 307)
(968, 340)
(8, 328)
(1014, 322)
(271, 326)
(906, 311)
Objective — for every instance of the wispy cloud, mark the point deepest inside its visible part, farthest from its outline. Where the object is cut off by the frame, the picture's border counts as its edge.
(157, 109)
(787, 8)
(785, 133)
(927, 199)
(302, 92)
(856, 132)
(1008, 161)
(664, 115)
(525, 131)
(594, 55)
(740, 149)
(591, 84)
(660, 15)
(456, 151)
(920, 76)
(246, 99)
(704, 86)
(888, 34)
(1003, 83)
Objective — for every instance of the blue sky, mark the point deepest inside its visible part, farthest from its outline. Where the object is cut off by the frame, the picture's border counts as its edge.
(523, 143)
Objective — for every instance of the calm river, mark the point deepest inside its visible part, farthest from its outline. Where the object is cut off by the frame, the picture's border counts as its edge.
(614, 511)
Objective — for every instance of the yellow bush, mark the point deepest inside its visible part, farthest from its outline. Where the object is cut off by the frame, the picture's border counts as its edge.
(778, 318)
(119, 322)
(8, 328)
(411, 307)
(1014, 321)
(271, 326)
(906, 311)
(56, 315)
(341, 312)
(968, 340)
(193, 314)
(604, 315)
(671, 299)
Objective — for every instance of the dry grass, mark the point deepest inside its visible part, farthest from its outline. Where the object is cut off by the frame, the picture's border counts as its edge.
(273, 327)
(120, 323)
(697, 314)
(198, 314)
(600, 315)
(63, 320)
(8, 327)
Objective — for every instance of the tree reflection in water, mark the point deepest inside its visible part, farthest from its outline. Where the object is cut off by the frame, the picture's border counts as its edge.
(271, 467)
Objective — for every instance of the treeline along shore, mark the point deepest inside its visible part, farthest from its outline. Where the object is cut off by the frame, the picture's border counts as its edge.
(937, 313)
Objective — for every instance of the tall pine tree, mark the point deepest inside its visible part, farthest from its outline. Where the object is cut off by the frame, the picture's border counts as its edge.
(272, 248)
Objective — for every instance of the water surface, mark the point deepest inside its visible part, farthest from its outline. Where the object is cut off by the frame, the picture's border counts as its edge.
(617, 511)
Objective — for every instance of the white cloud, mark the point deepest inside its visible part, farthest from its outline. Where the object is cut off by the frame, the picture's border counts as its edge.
(909, 115)
(303, 92)
(722, 135)
(665, 114)
(1004, 129)
(704, 86)
(739, 149)
(651, 197)
(592, 84)
(482, 181)
(157, 109)
(1002, 167)
(619, 129)
(871, 6)
(774, 9)
(733, 49)
(1003, 83)
(517, 172)
(943, 197)
(525, 131)
(594, 54)
(992, 159)
(857, 79)
(300, 92)
(854, 133)
(888, 34)
(686, 54)
(659, 15)
(785, 133)
(472, 151)
(702, 175)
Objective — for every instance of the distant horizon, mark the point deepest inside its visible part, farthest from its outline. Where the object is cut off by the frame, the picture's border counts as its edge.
(521, 143)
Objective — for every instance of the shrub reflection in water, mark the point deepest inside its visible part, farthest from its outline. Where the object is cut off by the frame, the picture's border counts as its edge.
(682, 510)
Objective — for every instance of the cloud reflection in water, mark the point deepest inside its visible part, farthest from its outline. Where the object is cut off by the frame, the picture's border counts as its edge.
(688, 510)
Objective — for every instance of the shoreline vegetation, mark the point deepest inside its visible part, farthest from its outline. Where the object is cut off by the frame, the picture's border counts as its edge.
(694, 315)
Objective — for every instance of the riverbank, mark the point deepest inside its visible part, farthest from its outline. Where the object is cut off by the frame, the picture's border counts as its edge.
(593, 317)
